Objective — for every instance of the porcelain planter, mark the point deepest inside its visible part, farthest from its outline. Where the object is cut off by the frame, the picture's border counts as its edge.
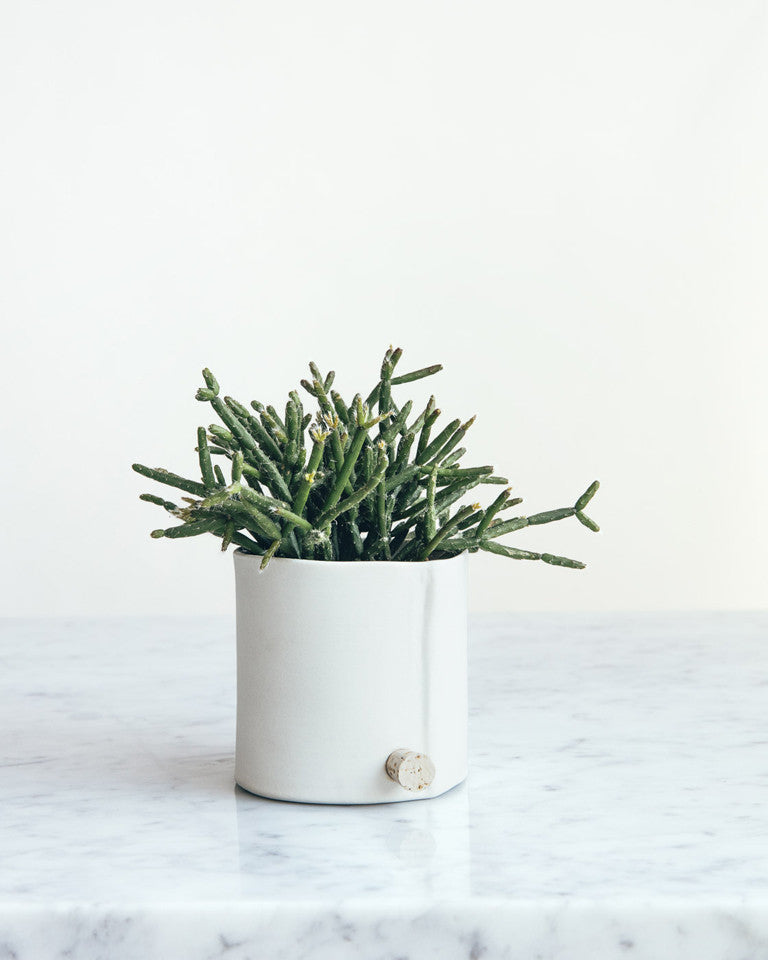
(351, 679)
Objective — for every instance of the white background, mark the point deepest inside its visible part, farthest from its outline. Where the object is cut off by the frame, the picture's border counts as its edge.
(564, 203)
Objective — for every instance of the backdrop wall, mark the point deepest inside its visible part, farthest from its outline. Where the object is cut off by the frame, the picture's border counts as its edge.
(565, 204)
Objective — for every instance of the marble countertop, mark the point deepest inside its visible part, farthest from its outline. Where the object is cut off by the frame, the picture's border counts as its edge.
(616, 807)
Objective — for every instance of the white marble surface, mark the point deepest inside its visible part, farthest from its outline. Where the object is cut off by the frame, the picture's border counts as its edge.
(617, 805)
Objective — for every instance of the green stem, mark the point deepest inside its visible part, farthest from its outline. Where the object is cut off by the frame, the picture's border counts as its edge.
(294, 519)
(193, 529)
(417, 374)
(269, 553)
(360, 494)
(443, 532)
(491, 511)
(300, 500)
(503, 550)
(344, 474)
(550, 516)
(587, 495)
(204, 455)
(171, 479)
(272, 476)
(499, 527)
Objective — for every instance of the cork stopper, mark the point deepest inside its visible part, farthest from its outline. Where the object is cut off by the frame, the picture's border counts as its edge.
(413, 771)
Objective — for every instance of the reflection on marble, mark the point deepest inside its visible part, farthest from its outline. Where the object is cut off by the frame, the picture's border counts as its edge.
(616, 803)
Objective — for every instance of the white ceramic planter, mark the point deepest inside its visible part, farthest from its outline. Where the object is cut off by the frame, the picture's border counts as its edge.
(339, 666)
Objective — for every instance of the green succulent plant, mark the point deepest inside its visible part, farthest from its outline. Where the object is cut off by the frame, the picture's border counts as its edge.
(357, 481)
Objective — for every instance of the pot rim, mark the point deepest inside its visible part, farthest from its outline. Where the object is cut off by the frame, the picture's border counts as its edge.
(240, 554)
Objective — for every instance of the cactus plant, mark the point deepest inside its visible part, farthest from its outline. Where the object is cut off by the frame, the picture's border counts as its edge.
(363, 480)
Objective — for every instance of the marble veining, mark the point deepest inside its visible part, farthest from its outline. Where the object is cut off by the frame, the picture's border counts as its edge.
(617, 803)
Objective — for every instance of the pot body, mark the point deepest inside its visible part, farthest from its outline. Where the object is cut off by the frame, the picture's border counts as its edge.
(339, 665)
